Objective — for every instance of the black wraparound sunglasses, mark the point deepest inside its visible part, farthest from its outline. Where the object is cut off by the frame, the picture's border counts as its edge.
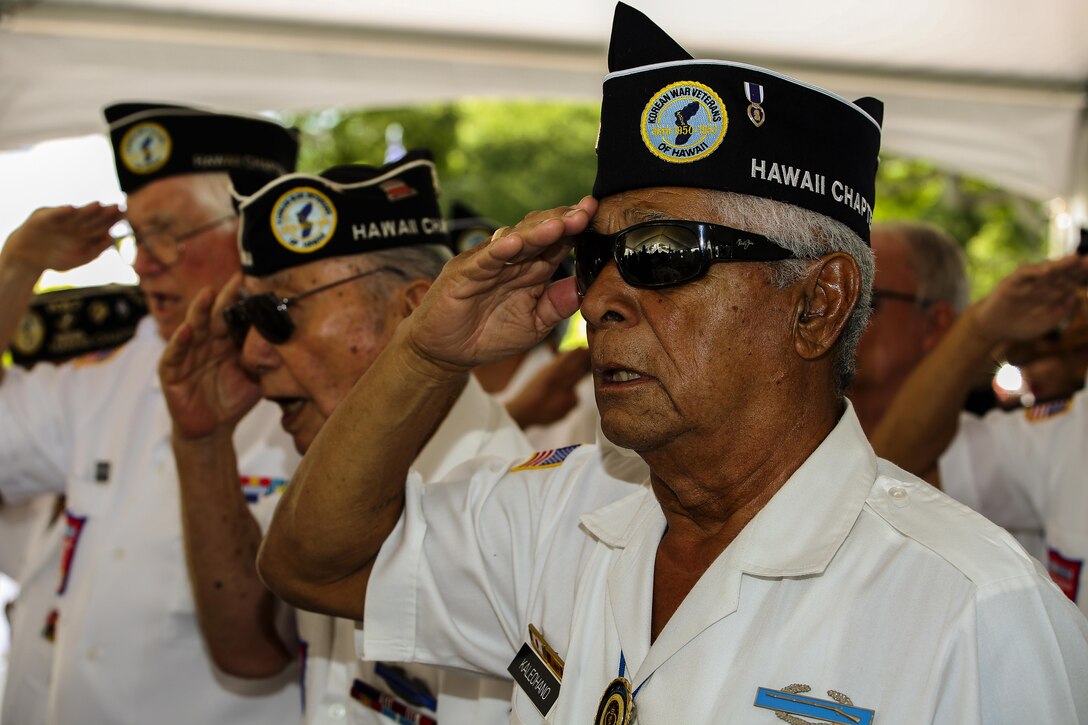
(667, 252)
(271, 314)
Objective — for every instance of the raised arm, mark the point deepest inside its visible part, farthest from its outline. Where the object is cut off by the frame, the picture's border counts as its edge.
(58, 238)
(923, 418)
(207, 394)
(347, 495)
(550, 394)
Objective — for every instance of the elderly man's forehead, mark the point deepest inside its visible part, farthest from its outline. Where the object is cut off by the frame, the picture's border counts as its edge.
(303, 277)
(644, 205)
(284, 283)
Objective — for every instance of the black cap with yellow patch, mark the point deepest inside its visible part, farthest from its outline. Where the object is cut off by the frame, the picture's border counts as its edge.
(354, 209)
(468, 228)
(66, 323)
(668, 119)
(153, 141)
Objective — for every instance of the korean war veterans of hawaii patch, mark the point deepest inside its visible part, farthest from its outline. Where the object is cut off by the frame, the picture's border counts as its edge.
(545, 459)
(145, 147)
(303, 219)
(684, 122)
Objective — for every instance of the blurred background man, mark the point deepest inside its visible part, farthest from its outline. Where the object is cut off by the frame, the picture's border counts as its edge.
(127, 647)
(919, 289)
(1024, 469)
(333, 263)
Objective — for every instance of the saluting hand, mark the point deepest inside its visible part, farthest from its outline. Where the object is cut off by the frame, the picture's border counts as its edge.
(1031, 301)
(206, 389)
(62, 237)
(494, 300)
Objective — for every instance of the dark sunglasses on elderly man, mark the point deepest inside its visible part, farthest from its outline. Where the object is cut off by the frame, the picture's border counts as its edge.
(271, 314)
(667, 252)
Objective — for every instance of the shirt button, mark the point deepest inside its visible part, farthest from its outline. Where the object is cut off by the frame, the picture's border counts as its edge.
(898, 494)
(337, 711)
(92, 653)
(118, 553)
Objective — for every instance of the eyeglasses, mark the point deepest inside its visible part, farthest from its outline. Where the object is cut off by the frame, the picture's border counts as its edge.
(667, 252)
(162, 245)
(270, 314)
(879, 296)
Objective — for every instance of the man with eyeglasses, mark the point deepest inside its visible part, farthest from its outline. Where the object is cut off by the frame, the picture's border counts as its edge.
(919, 289)
(772, 565)
(333, 264)
(127, 645)
(1024, 468)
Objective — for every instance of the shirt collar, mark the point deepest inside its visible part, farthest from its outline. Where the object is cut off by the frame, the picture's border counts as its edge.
(799, 530)
(617, 523)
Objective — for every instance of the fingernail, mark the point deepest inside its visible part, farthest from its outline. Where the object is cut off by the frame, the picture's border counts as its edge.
(572, 211)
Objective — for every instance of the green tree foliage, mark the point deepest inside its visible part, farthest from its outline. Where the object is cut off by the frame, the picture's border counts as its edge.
(505, 159)
(502, 159)
(998, 230)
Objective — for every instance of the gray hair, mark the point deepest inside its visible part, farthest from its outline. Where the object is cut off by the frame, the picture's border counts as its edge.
(939, 264)
(423, 261)
(212, 192)
(808, 235)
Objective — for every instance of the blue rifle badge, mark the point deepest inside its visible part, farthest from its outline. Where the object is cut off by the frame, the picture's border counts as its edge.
(791, 706)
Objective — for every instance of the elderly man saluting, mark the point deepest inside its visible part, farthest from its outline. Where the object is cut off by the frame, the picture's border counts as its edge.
(772, 565)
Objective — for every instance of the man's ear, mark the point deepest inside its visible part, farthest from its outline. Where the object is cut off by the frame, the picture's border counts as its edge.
(828, 295)
(939, 318)
(412, 295)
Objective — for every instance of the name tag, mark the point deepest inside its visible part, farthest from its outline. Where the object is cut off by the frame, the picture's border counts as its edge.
(535, 679)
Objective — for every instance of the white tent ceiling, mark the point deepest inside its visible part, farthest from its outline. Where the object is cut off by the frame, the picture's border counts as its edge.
(996, 88)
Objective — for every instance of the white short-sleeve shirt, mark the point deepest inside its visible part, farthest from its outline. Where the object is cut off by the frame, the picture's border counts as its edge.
(128, 649)
(1026, 470)
(338, 687)
(857, 583)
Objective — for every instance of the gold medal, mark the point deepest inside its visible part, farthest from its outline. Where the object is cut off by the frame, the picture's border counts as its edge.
(616, 707)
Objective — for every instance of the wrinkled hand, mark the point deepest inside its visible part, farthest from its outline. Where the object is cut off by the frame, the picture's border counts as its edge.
(550, 394)
(1031, 301)
(62, 237)
(206, 389)
(494, 300)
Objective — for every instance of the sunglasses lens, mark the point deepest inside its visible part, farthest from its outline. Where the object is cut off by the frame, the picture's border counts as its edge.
(591, 253)
(660, 255)
(274, 324)
(237, 322)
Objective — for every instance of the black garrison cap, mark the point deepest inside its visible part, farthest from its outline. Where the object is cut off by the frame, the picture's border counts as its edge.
(67, 323)
(153, 141)
(468, 228)
(353, 209)
(670, 120)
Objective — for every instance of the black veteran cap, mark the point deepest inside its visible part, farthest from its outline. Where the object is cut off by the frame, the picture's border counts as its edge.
(670, 120)
(301, 218)
(468, 229)
(152, 141)
(66, 323)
